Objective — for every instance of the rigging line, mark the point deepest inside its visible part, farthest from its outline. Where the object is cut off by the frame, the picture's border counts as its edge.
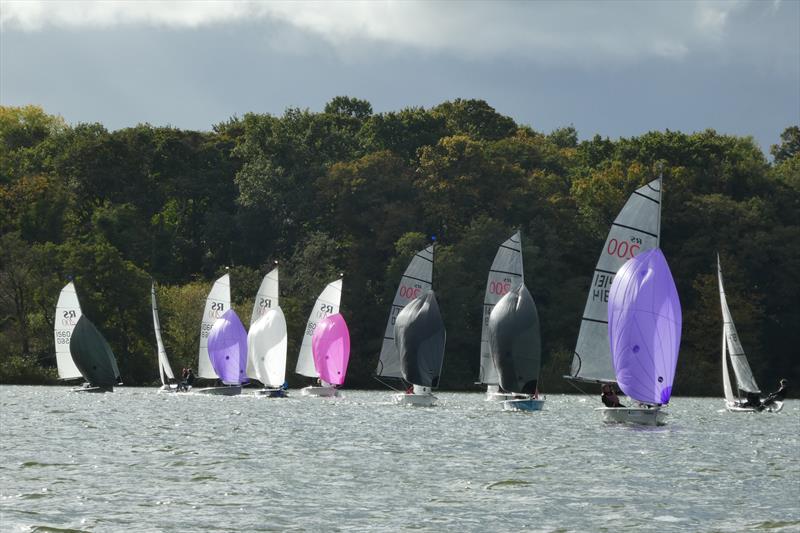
(571, 382)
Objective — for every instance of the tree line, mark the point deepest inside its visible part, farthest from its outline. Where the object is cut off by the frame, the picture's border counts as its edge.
(351, 191)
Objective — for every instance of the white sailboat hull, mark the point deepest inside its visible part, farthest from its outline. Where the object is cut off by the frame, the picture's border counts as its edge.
(168, 387)
(641, 416)
(415, 400)
(733, 407)
(271, 393)
(523, 404)
(494, 394)
(91, 388)
(320, 392)
(230, 390)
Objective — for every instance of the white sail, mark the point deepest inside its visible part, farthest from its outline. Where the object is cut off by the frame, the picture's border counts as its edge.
(218, 301)
(636, 229)
(744, 376)
(504, 276)
(326, 304)
(266, 299)
(164, 370)
(726, 380)
(267, 296)
(417, 279)
(266, 348)
(68, 311)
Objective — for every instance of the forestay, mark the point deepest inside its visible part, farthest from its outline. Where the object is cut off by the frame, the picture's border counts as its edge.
(417, 279)
(515, 341)
(68, 312)
(92, 355)
(744, 376)
(644, 327)
(164, 370)
(505, 275)
(420, 337)
(326, 304)
(217, 302)
(636, 229)
(266, 349)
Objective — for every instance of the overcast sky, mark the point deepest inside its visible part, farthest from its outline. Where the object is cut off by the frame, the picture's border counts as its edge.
(609, 68)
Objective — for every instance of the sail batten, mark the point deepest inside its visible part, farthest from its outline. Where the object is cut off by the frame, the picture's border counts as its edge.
(327, 304)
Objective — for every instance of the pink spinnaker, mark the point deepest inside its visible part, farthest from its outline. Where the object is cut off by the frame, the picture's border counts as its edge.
(330, 346)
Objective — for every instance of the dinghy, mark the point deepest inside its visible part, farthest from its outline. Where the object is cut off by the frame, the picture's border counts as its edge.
(68, 312)
(266, 352)
(417, 278)
(644, 333)
(330, 346)
(218, 303)
(227, 348)
(420, 338)
(733, 351)
(164, 369)
(93, 358)
(516, 348)
(636, 229)
(327, 304)
(505, 274)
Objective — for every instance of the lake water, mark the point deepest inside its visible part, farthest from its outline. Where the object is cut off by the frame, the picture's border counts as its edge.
(138, 461)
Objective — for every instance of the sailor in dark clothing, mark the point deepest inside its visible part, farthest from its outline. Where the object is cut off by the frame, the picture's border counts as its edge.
(752, 400)
(777, 396)
(609, 397)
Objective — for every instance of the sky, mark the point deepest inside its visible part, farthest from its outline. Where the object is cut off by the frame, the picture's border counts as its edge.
(611, 68)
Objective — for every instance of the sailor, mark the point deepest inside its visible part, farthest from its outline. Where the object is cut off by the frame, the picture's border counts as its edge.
(609, 397)
(777, 396)
(752, 400)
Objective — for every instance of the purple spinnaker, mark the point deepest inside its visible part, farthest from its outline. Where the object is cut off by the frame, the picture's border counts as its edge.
(644, 327)
(227, 348)
(330, 346)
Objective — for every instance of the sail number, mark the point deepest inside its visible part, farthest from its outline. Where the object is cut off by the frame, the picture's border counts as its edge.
(265, 303)
(499, 287)
(623, 249)
(409, 292)
(62, 337)
(600, 286)
(217, 309)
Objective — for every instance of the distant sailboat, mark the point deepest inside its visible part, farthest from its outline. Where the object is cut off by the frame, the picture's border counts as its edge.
(217, 304)
(420, 337)
(417, 279)
(327, 304)
(68, 312)
(516, 347)
(733, 351)
(505, 274)
(635, 230)
(644, 332)
(266, 352)
(93, 357)
(164, 369)
(227, 347)
(331, 348)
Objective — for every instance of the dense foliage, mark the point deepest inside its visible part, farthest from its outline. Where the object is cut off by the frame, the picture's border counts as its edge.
(352, 191)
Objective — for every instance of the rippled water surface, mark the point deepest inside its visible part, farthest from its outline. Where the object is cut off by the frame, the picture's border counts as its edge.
(140, 461)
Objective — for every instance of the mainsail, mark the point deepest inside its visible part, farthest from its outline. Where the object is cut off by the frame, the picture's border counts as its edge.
(417, 279)
(92, 355)
(744, 376)
(327, 304)
(635, 230)
(68, 312)
(267, 296)
(515, 341)
(331, 347)
(164, 370)
(218, 301)
(505, 275)
(266, 349)
(420, 337)
(644, 327)
(227, 347)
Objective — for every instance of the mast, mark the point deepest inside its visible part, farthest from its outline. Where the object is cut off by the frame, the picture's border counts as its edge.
(660, 200)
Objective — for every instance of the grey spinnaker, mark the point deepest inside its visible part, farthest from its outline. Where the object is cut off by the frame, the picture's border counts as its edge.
(515, 341)
(420, 338)
(92, 354)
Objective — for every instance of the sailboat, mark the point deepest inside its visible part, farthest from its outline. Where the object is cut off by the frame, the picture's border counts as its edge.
(417, 278)
(644, 333)
(505, 274)
(68, 312)
(636, 229)
(331, 349)
(516, 348)
(266, 352)
(164, 369)
(420, 338)
(217, 304)
(227, 348)
(327, 304)
(732, 350)
(93, 357)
